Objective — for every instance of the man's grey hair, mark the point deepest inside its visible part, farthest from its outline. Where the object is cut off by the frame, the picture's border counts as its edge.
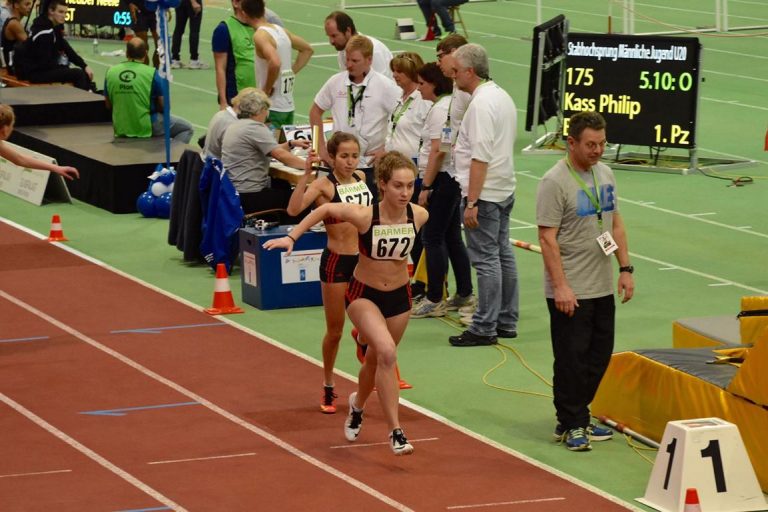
(252, 101)
(473, 56)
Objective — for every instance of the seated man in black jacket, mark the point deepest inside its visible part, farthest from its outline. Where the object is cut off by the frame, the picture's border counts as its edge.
(49, 55)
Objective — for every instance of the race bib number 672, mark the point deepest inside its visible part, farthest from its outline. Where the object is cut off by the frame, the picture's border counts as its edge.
(393, 241)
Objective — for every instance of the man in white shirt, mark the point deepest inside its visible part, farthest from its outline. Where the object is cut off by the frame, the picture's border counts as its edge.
(361, 102)
(485, 172)
(339, 28)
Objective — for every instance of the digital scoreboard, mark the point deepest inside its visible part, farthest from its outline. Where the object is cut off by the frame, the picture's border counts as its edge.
(99, 12)
(646, 87)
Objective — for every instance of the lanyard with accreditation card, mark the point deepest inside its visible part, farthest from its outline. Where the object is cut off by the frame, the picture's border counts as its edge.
(398, 113)
(446, 137)
(352, 102)
(604, 240)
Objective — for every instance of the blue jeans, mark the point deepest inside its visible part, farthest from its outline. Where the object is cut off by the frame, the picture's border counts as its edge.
(442, 240)
(440, 9)
(491, 254)
(180, 129)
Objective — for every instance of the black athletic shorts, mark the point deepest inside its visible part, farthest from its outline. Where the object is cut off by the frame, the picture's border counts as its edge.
(391, 303)
(336, 268)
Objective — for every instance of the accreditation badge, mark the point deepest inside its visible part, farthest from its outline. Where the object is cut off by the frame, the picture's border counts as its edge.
(607, 243)
(446, 140)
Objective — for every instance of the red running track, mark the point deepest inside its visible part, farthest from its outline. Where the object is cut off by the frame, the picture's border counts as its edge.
(117, 397)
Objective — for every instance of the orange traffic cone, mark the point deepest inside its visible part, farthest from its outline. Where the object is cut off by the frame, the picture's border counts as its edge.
(766, 141)
(56, 234)
(223, 303)
(401, 382)
(692, 501)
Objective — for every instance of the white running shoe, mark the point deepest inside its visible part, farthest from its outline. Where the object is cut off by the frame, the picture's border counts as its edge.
(197, 64)
(400, 445)
(354, 421)
(426, 307)
(176, 64)
(457, 302)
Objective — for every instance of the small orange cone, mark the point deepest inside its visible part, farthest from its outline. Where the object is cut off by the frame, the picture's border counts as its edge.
(403, 384)
(692, 501)
(56, 234)
(223, 303)
(766, 141)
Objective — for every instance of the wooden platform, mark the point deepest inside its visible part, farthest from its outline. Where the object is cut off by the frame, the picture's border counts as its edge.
(113, 172)
(54, 104)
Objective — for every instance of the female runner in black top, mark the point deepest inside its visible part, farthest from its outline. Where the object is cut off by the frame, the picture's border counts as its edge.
(378, 296)
(344, 184)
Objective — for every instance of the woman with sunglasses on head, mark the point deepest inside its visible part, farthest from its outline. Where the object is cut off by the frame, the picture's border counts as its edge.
(378, 295)
(405, 125)
(344, 184)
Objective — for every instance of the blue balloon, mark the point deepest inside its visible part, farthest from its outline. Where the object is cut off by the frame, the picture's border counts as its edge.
(166, 178)
(146, 204)
(163, 205)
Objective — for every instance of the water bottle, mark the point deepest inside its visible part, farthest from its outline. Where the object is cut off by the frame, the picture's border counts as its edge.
(95, 46)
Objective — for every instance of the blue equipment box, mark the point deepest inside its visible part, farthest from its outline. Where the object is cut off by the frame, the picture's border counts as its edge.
(272, 280)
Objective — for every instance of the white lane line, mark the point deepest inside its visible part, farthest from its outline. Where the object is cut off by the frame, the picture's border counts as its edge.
(36, 473)
(700, 274)
(703, 214)
(366, 445)
(502, 503)
(196, 459)
(741, 229)
(301, 355)
(40, 422)
(197, 398)
(721, 284)
(665, 265)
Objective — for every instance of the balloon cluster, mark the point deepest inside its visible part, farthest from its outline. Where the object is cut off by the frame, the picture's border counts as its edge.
(156, 201)
(153, 5)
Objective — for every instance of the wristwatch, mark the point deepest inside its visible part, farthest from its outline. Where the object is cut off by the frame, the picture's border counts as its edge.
(471, 204)
(426, 187)
(628, 268)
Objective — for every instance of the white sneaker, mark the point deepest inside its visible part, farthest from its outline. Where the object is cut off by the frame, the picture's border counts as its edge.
(197, 64)
(457, 302)
(354, 421)
(400, 445)
(176, 64)
(426, 307)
